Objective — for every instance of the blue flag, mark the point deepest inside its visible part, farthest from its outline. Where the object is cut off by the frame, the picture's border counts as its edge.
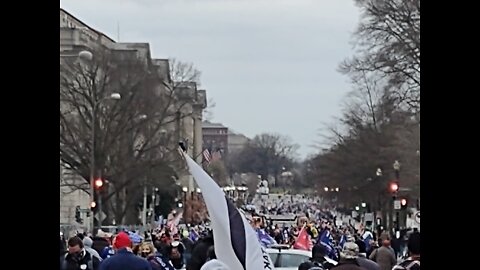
(325, 239)
(193, 235)
(265, 239)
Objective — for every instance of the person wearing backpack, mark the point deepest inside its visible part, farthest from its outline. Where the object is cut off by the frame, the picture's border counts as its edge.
(78, 258)
(413, 261)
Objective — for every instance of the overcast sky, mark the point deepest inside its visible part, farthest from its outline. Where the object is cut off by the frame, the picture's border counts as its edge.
(269, 65)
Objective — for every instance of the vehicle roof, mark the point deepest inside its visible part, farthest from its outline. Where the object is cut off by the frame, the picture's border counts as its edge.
(290, 251)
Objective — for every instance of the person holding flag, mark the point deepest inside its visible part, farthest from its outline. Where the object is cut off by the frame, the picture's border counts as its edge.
(325, 239)
(303, 240)
(265, 239)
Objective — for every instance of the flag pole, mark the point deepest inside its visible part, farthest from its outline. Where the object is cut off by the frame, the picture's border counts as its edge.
(183, 148)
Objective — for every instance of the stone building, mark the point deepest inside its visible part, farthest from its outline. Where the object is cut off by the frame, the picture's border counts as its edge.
(77, 36)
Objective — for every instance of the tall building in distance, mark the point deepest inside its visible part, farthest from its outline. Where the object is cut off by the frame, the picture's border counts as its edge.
(215, 137)
(236, 141)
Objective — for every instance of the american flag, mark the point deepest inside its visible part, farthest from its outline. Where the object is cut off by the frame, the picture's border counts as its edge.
(206, 155)
(209, 157)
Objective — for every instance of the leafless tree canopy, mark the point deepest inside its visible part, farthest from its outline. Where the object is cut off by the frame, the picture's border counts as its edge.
(371, 134)
(134, 136)
(380, 120)
(265, 154)
(218, 171)
(388, 48)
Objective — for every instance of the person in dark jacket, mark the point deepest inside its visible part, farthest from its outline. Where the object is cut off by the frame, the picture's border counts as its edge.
(124, 258)
(413, 261)
(319, 255)
(62, 251)
(99, 244)
(77, 257)
(199, 252)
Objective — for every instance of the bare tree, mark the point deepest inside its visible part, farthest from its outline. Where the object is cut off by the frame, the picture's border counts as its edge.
(217, 170)
(266, 154)
(183, 74)
(135, 136)
(388, 47)
(373, 134)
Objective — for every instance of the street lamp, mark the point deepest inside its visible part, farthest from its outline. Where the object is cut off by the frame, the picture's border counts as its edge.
(88, 56)
(364, 204)
(357, 208)
(396, 167)
(113, 96)
(85, 55)
(326, 189)
(337, 189)
(378, 172)
(184, 189)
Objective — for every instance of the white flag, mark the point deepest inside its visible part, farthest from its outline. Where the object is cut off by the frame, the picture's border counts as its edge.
(236, 243)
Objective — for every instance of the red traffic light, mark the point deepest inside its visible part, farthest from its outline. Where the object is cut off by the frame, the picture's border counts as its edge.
(98, 183)
(393, 187)
(403, 202)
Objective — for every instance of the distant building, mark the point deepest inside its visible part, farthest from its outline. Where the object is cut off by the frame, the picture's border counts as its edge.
(215, 137)
(236, 141)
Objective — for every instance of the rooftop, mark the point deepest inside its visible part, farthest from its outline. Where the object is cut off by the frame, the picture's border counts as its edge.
(208, 124)
(86, 25)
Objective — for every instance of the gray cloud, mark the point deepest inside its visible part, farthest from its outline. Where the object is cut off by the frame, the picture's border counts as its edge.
(270, 65)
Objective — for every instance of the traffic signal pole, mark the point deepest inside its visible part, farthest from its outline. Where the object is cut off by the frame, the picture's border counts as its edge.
(396, 167)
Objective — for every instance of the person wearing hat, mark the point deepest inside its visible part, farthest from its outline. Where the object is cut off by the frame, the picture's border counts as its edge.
(87, 243)
(348, 258)
(124, 257)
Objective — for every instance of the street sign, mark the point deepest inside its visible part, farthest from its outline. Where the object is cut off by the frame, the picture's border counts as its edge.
(397, 205)
(100, 216)
(417, 217)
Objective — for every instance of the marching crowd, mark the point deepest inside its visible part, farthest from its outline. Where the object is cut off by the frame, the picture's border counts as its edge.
(171, 246)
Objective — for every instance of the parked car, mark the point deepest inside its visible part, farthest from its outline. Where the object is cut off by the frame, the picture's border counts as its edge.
(285, 258)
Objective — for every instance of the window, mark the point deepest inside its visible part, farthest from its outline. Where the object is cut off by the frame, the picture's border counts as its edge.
(292, 260)
(274, 258)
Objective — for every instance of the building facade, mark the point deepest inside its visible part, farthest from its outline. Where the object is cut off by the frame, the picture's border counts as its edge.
(236, 141)
(76, 36)
(215, 137)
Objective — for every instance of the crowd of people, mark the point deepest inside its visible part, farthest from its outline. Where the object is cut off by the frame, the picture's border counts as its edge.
(174, 246)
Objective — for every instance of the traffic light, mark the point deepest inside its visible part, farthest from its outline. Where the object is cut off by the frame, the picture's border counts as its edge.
(78, 215)
(98, 183)
(403, 203)
(93, 205)
(393, 187)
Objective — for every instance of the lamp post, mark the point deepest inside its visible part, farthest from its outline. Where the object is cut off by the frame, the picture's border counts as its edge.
(185, 208)
(88, 56)
(396, 168)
